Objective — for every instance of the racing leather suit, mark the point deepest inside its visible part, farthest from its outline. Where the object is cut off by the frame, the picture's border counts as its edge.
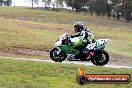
(88, 39)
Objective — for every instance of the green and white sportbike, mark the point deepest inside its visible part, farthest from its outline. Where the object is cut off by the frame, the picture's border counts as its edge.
(72, 48)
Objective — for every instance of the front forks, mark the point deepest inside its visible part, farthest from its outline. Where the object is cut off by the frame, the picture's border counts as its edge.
(58, 51)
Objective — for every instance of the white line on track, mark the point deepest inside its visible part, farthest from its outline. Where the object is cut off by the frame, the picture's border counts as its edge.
(74, 62)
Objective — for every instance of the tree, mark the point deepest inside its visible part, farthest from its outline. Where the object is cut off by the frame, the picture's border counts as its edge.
(100, 7)
(91, 5)
(59, 3)
(116, 7)
(1, 1)
(75, 4)
(7, 2)
(127, 9)
(123, 8)
(69, 3)
(119, 8)
(46, 2)
(33, 1)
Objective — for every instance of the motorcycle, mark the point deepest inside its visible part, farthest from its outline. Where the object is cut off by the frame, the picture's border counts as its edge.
(61, 51)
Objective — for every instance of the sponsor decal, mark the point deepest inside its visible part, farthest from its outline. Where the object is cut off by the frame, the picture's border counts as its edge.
(83, 78)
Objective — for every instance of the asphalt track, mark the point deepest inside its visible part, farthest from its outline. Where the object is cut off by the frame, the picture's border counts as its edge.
(74, 62)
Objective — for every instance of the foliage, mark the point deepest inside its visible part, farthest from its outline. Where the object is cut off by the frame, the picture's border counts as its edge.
(126, 9)
(34, 1)
(1, 2)
(5, 2)
(76, 4)
(46, 2)
(102, 6)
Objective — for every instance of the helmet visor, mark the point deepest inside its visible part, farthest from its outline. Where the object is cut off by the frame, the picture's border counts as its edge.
(77, 28)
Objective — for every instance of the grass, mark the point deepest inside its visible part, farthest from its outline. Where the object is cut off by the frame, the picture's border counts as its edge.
(27, 74)
(62, 17)
(15, 34)
(120, 40)
(38, 29)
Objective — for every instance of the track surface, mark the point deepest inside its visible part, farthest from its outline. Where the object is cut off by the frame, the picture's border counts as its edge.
(73, 62)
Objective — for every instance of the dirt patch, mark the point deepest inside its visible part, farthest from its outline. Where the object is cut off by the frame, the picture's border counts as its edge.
(120, 60)
(52, 27)
(35, 25)
(24, 52)
(114, 58)
(123, 26)
(22, 18)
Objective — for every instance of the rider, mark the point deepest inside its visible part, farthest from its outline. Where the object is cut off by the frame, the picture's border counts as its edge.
(86, 35)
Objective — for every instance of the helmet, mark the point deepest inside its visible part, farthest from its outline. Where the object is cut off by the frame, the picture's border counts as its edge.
(78, 26)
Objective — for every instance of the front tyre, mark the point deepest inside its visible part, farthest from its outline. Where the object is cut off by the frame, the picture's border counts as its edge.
(100, 58)
(57, 55)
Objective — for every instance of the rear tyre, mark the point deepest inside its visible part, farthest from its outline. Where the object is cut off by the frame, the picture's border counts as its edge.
(100, 58)
(57, 57)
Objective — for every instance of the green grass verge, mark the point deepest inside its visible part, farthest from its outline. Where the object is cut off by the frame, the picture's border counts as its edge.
(16, 35)
(38, 29)
(28, 74)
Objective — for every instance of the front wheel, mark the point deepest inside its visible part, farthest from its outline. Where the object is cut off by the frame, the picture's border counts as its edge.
(100, 58)
(57, 55)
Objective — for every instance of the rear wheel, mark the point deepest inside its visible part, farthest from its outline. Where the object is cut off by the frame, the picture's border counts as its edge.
(57, 55)
(100, 58)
